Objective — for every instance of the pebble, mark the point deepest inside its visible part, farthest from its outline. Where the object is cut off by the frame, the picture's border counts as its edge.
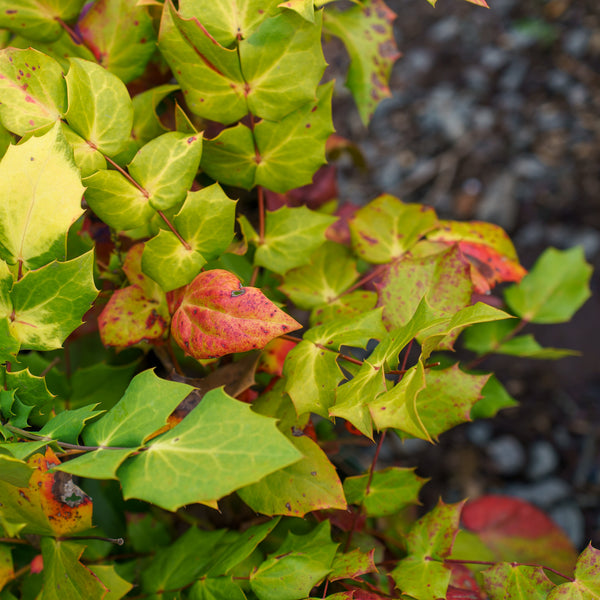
(543, 460)
(480, 432)
(493, 58)
(445, 30)
(507, 454)
(529, 166)
(576, 42)
(542, 493)
(514, 75)
(568, 516)
(498, 204)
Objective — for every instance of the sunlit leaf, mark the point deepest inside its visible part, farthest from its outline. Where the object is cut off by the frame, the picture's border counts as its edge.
(506, 581)
(587, 579)
(218, 315)
(14, 471)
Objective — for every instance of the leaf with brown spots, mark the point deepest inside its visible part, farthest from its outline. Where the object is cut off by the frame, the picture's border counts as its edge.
(367, 33)
(136, 313)
(51, 505)
(218, 316)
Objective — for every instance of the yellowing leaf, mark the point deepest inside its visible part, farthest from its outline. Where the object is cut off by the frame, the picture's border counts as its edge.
(218, 316)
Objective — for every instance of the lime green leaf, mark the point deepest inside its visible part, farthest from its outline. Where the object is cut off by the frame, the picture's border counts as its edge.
(495, 397)
(288, 229)
(229, 21)
(119, 203)
(117, 586)
(282, 63)
(198, 460)
(443, 279)
(422, 573)
(386, 228)
(166, 166)
(122, 36)
(299, 564)
(65, 578)
(180, 563)
(6, 569)
(347, 306)
(309, 484)
(98, 464)
(352, 564)
(216, 588)
(14, 471)
(22, 450)
(218, 316)
(505, 580)
(144, 416)
(6, 139)
(49, 303)
(86, 158)
(100, 109)
(587, 579)
(67, 425)
(33, 90)
(279, 155)
(390, 490)
(41, 19)
(305, 8)
(146, 124)
(488, 337)
(350, 332)
(554, 289)
(330, 272)
(209, 74)
(34, 224)
(368, 35)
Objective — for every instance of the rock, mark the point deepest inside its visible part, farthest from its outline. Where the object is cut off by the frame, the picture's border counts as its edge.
(543, 460)
(529, 166)
(480, 432)
(568, 516)
(514, 75)
(498, 204)
(507, 454)
(544, 493)
(493, 58)
(576, 42)
(445, 30)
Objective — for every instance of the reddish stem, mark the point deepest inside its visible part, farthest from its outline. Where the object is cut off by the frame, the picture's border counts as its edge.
(72, 33)
(458, 561)
(123, 172)
(162, 215)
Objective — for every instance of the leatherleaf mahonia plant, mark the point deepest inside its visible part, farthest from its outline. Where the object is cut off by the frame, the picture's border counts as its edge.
(167, 427)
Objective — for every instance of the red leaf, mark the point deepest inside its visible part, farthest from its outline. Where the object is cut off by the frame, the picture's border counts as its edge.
(463, 585)
(518, 531)
(273, 356)
(37, 564)
(218, 316)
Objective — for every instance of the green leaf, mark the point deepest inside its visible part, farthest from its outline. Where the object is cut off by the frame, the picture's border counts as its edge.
(347, 306)
(100, 109)
(33, 90)
(506, 581)
(14, 471)
(146, 123)
(309, 484)
(49, 303)
(489, 337)
(386, 228)
(587, 579)
(352, 564)
(209, 74)
(65, 578)
(67, 425)
(330, 272)
(390, 491)
(218, 316)
(6, 139)
(278, 155)
(86, 158)
(216, 588)
(296, 567)
(554, 289)
(117, 586)
(368, 35)
(27, 233)
(198, 460)
(119, 203)
(495, 397)
(122, 36)
(422, 573)
(40, 19)
(288, 229)
(228, 22)
(166, 166)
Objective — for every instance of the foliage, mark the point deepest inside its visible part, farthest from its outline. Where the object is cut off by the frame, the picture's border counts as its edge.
(145, 347)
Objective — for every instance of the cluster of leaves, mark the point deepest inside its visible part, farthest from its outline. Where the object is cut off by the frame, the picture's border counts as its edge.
(148, 110)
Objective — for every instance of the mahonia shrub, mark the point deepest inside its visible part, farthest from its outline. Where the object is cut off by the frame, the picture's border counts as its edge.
(166, 423)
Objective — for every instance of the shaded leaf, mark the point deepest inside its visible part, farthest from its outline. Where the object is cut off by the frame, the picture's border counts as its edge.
(146, 123)
(7, 572)
(554, 289)
(367, 33)
(198, 460)
(33, 89)
(216, 588)
(386, 228)
(218, 316)
(518, 531)
(121, 35)
(16, 472)
(26, 232)
(494, 398)
(352, 565)
(100, 109)
(115, 585)
(390, 490)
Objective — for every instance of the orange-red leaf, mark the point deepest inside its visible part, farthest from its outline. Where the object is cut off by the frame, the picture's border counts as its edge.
(218, 316)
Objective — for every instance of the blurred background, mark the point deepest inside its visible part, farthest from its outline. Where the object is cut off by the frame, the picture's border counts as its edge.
(495, 116)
